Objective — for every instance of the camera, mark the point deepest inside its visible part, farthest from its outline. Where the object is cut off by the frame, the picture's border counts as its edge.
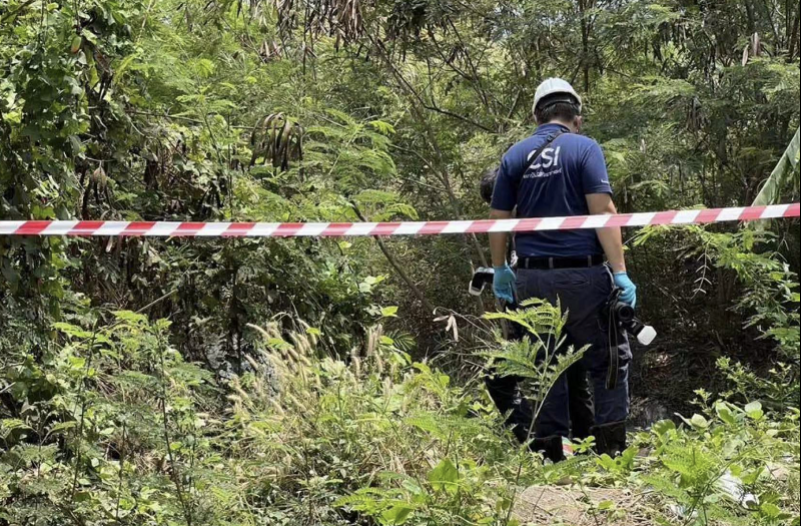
(626, 318)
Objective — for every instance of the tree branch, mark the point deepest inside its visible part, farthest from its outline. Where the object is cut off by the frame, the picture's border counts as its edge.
(397, 267)
(10, 14)
(458, 117)
(413, 92)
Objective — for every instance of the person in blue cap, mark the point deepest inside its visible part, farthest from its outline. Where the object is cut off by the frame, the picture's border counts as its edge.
(559, 173)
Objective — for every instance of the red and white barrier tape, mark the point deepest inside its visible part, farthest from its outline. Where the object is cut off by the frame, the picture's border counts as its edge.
(284, 230)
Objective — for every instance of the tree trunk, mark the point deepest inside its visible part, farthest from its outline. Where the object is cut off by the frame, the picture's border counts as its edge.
(585, 44)
(794, 38)
(749, 8)
(771, 23)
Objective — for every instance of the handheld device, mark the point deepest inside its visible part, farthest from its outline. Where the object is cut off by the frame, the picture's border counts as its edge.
(482, 279)
(626, 318)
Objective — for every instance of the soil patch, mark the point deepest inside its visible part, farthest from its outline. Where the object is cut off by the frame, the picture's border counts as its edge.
(553, 506)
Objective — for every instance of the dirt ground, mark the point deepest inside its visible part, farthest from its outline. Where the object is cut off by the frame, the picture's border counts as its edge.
(554, 506)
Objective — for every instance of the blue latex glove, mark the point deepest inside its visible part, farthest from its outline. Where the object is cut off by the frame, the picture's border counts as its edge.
(629, 294)
(504, 284)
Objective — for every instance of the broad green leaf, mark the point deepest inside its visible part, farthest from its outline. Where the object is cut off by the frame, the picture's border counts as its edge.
(429, 424)
(413, 487)
(699, 422)
(389, 312)
(771, 511)
(444, 477)
(397, 515)
(754, 411)
(664, 427)
(726, 414)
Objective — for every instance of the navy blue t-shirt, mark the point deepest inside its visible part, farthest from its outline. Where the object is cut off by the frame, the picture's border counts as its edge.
(555, 185)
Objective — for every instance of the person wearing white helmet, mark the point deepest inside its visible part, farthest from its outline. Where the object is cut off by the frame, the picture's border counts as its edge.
(505, 391)
(559, 173)
(554, 91)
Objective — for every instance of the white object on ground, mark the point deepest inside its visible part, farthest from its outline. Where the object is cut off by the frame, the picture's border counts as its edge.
(732, 487)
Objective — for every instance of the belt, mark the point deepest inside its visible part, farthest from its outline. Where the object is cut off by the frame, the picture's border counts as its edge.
(560, 263)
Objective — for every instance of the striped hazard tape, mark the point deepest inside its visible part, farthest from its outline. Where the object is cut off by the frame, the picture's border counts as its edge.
(285, 230)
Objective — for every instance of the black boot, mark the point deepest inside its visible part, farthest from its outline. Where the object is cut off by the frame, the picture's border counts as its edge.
(582, 430)
(551, 448)
(582, 408)
(610, 439)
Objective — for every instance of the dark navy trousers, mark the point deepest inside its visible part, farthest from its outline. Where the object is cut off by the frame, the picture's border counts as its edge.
(505, 392)
(584, 294)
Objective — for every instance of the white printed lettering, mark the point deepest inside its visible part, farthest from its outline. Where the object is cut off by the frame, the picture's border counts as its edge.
(546, 166)
(547, 158)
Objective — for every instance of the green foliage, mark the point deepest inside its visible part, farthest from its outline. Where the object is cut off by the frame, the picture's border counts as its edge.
(778, 389)
(694, 466)
(770, 285)
(115, 427)
(540, 358)
(385, 110)
(105, 428)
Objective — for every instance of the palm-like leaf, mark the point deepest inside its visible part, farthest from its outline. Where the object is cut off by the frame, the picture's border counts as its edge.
(277, 138)
(782, 174)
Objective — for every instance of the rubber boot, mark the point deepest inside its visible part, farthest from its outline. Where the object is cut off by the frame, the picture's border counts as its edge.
(551, 448)
(610, 439)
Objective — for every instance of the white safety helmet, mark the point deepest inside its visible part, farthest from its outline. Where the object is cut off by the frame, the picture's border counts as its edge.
(553, 87)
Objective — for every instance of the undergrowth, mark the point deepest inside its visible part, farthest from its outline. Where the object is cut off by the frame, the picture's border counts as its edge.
(114, 427)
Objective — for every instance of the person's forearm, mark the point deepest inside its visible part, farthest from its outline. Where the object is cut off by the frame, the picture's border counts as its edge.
(498, 246)
(611, 238)
(612, 242)
(499, 240)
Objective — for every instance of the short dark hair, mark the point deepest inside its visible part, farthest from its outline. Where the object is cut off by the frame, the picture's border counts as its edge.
(488, 184)
(557, 111)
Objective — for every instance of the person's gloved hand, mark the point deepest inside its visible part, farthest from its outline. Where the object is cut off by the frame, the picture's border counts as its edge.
(504, 284)
(629, 289)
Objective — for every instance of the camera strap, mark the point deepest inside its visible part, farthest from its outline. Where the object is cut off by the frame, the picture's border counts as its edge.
(613, 375)
(614, 328)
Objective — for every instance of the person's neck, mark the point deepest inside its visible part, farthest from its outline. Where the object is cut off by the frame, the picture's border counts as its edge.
(563, 124)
